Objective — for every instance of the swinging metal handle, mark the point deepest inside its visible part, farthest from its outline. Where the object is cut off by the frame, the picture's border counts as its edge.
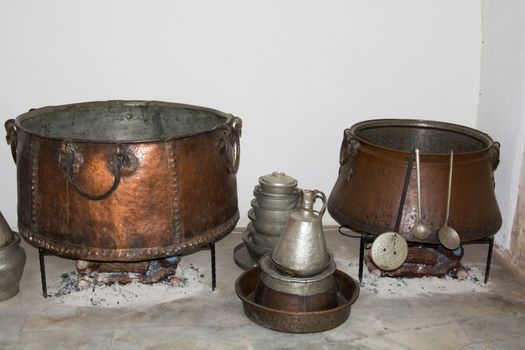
(71, 159)
(235, 126)
(348, 153)
(11, 136)
(494, 155)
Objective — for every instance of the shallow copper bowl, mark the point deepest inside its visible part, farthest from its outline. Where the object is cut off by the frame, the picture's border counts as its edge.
(297, 322)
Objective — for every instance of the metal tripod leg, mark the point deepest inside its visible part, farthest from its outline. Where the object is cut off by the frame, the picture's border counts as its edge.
(489, 258)
(213, 272)
(362, 245)
(41, 255)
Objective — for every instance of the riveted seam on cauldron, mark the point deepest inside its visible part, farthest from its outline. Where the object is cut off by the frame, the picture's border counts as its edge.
(135, 254)
(174, 188)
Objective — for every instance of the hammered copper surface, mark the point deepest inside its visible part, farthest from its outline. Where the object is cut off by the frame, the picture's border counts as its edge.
(176, 189)
(297, 322)
(291, 302)
(373, 160)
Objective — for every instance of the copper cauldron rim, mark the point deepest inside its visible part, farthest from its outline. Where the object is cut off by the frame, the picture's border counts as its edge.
(131, 103)
(420, 123)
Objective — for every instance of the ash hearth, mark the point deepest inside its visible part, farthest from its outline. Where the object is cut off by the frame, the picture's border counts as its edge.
(424, 260)
(92, 273)
(151, 271)
(188, 281)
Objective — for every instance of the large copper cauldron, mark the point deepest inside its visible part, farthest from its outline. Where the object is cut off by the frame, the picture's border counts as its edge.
(125, 180)
(373, 162)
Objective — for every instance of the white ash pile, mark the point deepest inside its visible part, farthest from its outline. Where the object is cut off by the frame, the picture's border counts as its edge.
(471, 281)
(188, 282)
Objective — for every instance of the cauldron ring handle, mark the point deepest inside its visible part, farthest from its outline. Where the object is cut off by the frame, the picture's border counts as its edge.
(11, 137)
(69, 151)
(494, 155)
(235, 125)
(349, 148)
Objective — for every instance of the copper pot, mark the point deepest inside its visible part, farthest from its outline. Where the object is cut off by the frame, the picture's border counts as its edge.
(373, 159)
(125, 180)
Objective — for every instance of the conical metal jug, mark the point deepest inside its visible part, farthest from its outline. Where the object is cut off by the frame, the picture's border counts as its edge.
(6, 235)
(301, 250)
(12, 261)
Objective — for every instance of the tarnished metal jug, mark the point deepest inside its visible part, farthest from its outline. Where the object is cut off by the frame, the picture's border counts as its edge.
(302, 251)
(12, 261)
(6, 235)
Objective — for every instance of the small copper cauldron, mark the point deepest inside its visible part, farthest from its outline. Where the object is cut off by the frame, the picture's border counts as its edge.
(373, 161)
(125, 180)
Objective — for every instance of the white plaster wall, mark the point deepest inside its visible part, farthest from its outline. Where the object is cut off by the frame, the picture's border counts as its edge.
(502, 98)
(297, 72)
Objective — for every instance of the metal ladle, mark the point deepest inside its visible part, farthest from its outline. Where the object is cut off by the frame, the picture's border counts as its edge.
(390, 250)
(420, 230)
(447, 235)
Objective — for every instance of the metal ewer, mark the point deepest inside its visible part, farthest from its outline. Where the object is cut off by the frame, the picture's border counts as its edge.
(12, 261)
(302, 250)
(6, 235)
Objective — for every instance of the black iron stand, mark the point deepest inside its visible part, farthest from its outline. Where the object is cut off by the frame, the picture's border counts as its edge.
(211, 247)
(43, 252)
(490, 242)
(366, 239)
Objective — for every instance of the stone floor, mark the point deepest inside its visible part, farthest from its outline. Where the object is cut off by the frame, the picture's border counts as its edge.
(214, 320)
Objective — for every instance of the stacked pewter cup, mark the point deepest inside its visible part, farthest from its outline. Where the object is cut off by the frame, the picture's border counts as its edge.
(276, 197)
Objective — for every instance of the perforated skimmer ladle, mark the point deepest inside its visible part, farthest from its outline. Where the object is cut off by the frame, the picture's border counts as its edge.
(389, 250)
(420, 230)
(447, 235)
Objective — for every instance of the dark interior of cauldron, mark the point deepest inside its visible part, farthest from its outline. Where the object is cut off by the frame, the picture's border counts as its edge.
(428, 140)
(122, 123)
